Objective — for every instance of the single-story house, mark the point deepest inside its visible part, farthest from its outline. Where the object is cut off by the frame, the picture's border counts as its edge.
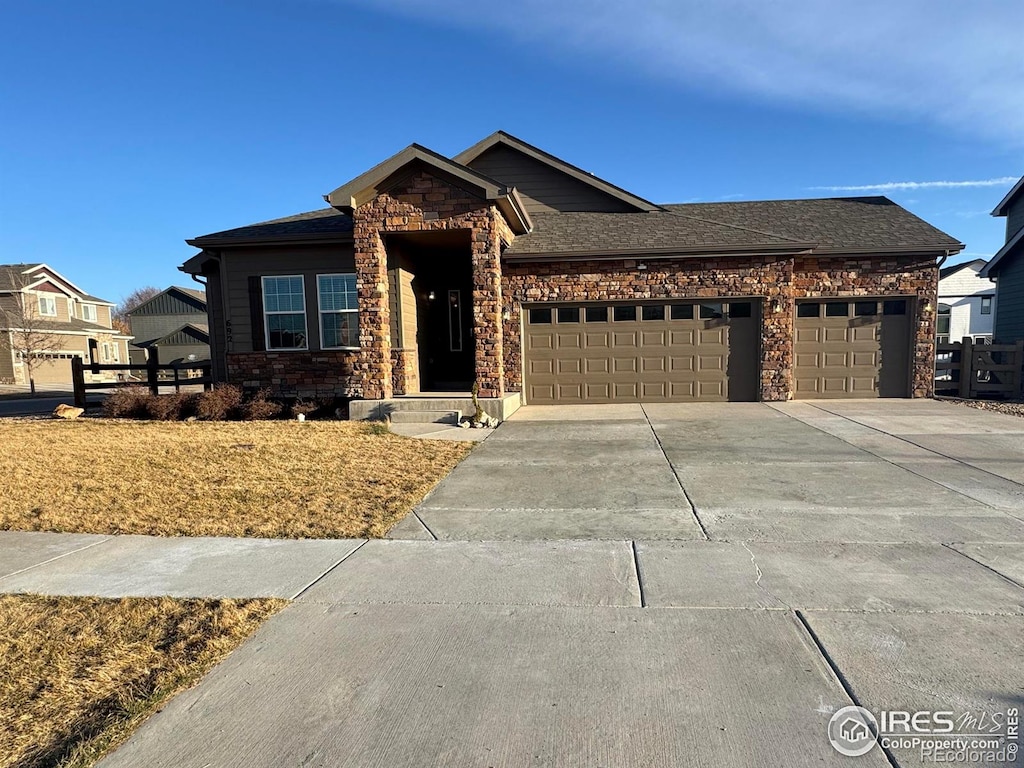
(966, 303)
(172, 325)
(542, 283)
(1007, 269)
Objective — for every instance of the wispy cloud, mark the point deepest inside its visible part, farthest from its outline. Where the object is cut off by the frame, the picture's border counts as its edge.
(896, 186)
(944, 61)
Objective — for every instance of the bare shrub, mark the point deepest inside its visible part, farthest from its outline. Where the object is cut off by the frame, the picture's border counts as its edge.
(127, 403)
(220, 403)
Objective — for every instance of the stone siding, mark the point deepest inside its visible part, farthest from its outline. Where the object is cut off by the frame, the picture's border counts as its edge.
(296, 374)
(779, 281)
(427, 203)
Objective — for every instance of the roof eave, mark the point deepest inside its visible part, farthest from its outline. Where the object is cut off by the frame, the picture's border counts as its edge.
(1003, 252)
(771, 249)
(1000, 209)
(221, 242)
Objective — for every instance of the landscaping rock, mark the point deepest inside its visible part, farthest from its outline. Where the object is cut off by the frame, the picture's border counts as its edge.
(64, 411)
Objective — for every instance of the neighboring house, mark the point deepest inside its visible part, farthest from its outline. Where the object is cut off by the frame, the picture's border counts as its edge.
(542, 283)
(174, 324)
(1007, 269)
(71, 322)
(966, 303)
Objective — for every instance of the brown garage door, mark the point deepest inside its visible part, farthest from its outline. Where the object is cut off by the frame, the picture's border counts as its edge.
(654, 352)
(852, 348)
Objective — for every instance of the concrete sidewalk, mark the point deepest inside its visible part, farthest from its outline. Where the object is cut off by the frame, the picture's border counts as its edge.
(516, 653)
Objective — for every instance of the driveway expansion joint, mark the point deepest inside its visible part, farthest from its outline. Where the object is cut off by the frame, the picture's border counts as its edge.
(639, 574)
(988, 567)
(315, 581)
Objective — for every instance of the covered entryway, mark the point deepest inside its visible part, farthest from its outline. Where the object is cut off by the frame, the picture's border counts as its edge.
(670, 351)
(852, 348)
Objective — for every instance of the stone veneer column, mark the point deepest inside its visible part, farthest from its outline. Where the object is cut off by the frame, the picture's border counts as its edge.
(373, 368)
(487, 307)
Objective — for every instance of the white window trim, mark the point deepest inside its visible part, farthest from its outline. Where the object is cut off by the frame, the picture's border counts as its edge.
(41, 299)
(267, 314)
(983, 309)
(95, 313)
(321, 312)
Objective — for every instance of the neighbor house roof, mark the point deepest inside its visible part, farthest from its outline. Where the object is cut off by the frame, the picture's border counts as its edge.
(952, 270)
(77, 327)
(197, 331)
(992, 268)
(15, 277)
(1004, 204)
(189, 293)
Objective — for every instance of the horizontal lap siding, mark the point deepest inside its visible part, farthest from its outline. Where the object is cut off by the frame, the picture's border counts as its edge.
(308, 261)
(542, 187)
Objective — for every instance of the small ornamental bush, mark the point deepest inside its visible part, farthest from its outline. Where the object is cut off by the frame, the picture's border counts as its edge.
(127, 403)
(259, 408)
(220, 403)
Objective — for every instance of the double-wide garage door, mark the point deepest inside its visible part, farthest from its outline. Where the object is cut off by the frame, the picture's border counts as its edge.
(54, 369)
(852, 348)
(651, 352)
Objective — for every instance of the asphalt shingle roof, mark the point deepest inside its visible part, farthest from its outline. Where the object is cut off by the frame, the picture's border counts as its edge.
(835, 222)
(325, 221)
(831, 223)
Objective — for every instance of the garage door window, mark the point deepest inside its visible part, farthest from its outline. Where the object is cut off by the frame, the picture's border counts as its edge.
(625, 314)
(568, 315)
(710, 311)
(656, 312)
(895, 307)
(865, 308)
(682, 311)
(808, 309)
(739, 309)
(540, 316)
(835, 309)
(597, 314)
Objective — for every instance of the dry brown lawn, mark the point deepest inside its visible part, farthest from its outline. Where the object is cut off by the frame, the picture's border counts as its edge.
(81, 673)
(286, 479)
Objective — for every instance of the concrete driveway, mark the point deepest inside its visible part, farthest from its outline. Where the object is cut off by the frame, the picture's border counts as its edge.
(638, 586)
(883, 470)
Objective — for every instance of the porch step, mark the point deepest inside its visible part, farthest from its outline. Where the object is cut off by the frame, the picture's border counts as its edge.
(409, 416)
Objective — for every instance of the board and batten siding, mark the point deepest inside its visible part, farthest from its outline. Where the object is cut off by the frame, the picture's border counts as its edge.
(148, 327)
(1009, 323)
(541, 187)
(218, 331)
(1015, 217)
(306, 260)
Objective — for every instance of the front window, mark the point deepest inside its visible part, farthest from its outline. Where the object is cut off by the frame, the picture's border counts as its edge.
(284, 312)
(986, 305)
(89, 312)
(339, 311)
(942, 323)
(47, 306)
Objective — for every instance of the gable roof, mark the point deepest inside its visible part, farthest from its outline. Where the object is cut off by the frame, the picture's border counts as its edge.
(190, 296)
(952, 270)
(1007, 251)
(498, 138)
(17, 277)
(366, 186)
(188, 333)
(1004, 204)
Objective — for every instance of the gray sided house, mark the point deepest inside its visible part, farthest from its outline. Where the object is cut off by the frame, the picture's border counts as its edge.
(511, 268)
(1007, 269)
(173, 323)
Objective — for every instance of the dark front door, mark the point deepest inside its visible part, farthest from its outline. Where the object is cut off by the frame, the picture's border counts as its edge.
(447, 345)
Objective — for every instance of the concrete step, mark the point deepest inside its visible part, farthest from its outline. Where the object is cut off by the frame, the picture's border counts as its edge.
(424, 416)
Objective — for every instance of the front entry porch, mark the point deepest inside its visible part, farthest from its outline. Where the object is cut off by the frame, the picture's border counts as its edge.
(437, 407)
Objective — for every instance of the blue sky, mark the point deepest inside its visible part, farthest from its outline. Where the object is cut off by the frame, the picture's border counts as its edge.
(127, 127)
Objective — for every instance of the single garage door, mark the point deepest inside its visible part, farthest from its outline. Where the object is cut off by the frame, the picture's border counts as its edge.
(852, 348)
(653, 352)
(55, 369)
